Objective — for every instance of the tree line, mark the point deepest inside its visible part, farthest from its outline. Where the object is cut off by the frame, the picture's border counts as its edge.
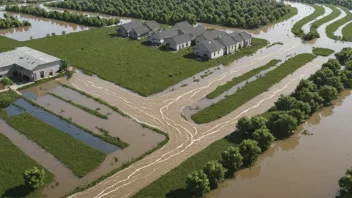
(280, 122)
(11, 21)
(8, 2)
(64, 16)
(232, 13)
(344, 3)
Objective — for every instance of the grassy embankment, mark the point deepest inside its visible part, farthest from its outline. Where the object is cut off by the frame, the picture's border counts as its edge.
(297, 27)
(13, 163)
(322, 51)
(347, 32)
(335, 13)
(222, 88)
(77, 156)
(143, 69)
(251, 90)
(331, 29)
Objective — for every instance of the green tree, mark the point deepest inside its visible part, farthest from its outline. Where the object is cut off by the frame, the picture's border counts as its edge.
(334, 65)
(263, 137)
(298, 114)
(64, 64)
(215, 172)
(282, 124)
(232, 159)
(197, 183)
(34, 177)
(329, 94)
(345, 182)
(250, 151)
(248, 126)
(6, 81)
(285, 103)
(345, 55)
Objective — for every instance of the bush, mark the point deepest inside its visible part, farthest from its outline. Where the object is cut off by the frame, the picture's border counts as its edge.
(250, 151)
(198, 183)
(232, 159)
(263, 137)
(6, 81)
(345, 55)
(215, 172)
(282, 125)
(34, 177)
(345, 182)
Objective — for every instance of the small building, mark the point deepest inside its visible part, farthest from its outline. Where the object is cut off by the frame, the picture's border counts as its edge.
(246, 37)
(238, 38)
(139, 32)
(210, 49)
(124, 30)
(209, 35)
(228, 43)
(194, 31)
(182, 25)
(28, 64)
(152, 25)
(179, 42)
(158, 37)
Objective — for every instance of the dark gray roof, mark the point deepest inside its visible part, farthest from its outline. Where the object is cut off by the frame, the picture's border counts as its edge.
(129, 26)
(141, 29)
(210, 45)
(179, 39)
(182, 25)
(226, 40)
(168, 33)
(195, 31)
(236, 36)
(210, 35)
(152, 25)
(245, 35)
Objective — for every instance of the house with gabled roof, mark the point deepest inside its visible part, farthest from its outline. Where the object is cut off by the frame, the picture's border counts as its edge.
(194, 31)
(209, 35)
(238, 38)
(125, 29)
(246, 37)
(209, 49)
(139, 32)
(183, 25)
(179, 42)
(152, 25)
(158, 37)
(228, 43)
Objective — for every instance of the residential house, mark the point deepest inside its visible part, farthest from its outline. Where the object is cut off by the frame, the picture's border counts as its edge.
(246, 37)
(228, 43)
(139, 32)
(194, 31)
(28, 64)
(209, 35)
(125, 29)
(238, 38)
(152, 25)
(210, 49)
(183, 25)
(158, 37)
(179, 42)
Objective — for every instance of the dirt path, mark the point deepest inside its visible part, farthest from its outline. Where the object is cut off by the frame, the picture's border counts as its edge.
(187, 138)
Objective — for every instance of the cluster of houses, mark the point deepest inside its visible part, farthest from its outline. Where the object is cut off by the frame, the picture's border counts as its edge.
(208, 44)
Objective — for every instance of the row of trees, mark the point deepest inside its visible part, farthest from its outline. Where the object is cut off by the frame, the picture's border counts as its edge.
(345, 3)
(63, 16)
(280, 122)
(8, 2)
(233, 13)
(11, 21)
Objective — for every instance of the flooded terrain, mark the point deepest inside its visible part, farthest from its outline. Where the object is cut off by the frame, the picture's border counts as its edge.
(303, 165)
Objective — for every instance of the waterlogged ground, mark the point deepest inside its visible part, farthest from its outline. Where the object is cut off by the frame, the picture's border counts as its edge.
(304, 165)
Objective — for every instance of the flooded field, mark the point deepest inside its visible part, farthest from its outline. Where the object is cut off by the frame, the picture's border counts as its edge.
(304, 165)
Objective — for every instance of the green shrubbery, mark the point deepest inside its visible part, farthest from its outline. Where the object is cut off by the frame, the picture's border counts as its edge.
(322, 51)
(11, 21)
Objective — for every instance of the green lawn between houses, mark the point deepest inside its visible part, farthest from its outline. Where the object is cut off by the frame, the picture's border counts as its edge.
(13, 163)
(143, 69)
(76, 155)
(251, 90)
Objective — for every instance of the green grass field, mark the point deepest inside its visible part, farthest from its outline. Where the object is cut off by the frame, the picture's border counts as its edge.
(173, 183)
(297, 27)
(251, 90)
(335, 13)
(77, 156)
(347, 32)
(222, 88)
(143, 69)
(13, 163)
(322, 51)
(331, 29)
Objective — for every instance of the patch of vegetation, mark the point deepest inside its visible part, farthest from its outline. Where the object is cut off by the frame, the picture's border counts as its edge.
(14, 163)
(233, 14)
(297, 27)
(63, 16)
(345, 3)
(8, 97)
(11, 21)
(8, 44)
(293, 11)
(222, 88)
(347, 32)
(111, 139)
(318, 51)
(251, 90)
(331, 29)
(77, 156)
(276, 43)
(86, 109)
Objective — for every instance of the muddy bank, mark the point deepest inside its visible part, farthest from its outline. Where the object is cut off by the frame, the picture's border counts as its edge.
(304, 165)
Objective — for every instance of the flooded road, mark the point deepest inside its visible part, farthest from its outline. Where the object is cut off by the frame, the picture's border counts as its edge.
(302, 166)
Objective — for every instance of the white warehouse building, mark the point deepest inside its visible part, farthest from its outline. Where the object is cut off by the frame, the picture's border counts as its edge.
(28, 64)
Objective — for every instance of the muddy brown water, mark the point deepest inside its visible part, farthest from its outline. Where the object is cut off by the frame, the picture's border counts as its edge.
(303, 165)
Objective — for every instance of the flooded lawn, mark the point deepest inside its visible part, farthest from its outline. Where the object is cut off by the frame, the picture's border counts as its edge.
(40, 27)
(304, 165)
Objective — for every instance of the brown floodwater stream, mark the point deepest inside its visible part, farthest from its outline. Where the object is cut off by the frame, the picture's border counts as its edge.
(303, 165)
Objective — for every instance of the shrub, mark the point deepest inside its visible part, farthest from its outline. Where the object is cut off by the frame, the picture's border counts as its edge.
(34, 177)
(197, 183)
(215, 172)
(250, 151)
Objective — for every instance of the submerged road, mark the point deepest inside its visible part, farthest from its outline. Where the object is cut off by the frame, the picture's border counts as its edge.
(162, 111)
